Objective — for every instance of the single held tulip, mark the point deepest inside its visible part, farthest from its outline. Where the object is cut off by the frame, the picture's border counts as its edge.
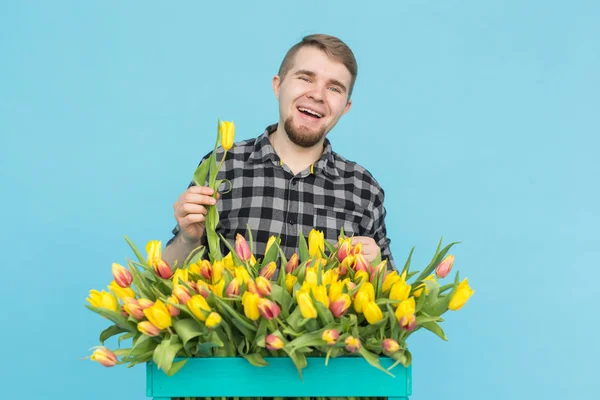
(148, 329)
(154, 251)
(408, 322)
(122, 275)
(250, 304)
(330, 336)
(290, 281)
(233, 289)
(292, 264)
(163, 269)
(145, 303)
(132, 307)
(242, 249)
(227, 131)
(213, 320)
(444, 268)
(104, 356)
(103, 299)
(274, 342)
(390, 346)
(372, 312)
(406, 307)
(264, 286)
(171, 301)
(339, 306)
(121, 293)
(307, 308)
(268, 309)
(461, 295)
(316, 243)
(159, 315)
(268, 270)
(352, 344)
(389, 280)
(199, 307)
(182, 294)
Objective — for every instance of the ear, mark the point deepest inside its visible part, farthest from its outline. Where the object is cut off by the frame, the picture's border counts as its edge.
(347, 108)
(276, 85)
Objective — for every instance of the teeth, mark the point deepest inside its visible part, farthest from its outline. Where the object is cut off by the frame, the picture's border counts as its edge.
(310, 112)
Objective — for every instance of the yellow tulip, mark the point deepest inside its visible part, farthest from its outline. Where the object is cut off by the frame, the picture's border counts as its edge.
(361, 276)
(121, 293)
(104, 356)
(159, 315)
(320, 293)
(316, 243)
(405, 308)
(154, 251)
(250, 303)
(103, 300)
(194, 268)
(360, 300)
(339, 306)
(213, 320)
(307, 308)
(242, 274)
(369, 289)
(335, 290)
(227, 130)
(270, 242)
(352, 344)
(228, 262)
(400, 291)
(372, 312)
(389, 280)
(181, 275)
(217, 271)
(330, 336)
(311, 277)
(417, 293)
(199, 307)
(461, 295)
(218, 288)
(290, 280)
(331, 276)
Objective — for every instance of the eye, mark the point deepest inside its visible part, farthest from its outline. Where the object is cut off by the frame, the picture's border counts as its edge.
(304, 78)
(335, 89)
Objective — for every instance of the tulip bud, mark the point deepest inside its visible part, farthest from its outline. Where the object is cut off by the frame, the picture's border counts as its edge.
(407, 307)
(274, 342)
(361, 263)
(339, 307)
(408, 322)
(145, 303)
(121, 293)
(352, 344)
(290, 280)
(357, 249)
(344, 249)
(199, 307)
(400, 291)
(350, 285)
(360, 300)
(331, 276)
(316, 243)
(250, 304)
(242, 249)
(268, 270)
(390, 346)
(372, 312)
(389, 280)
(233, 289)
(268, 309)
(251, 286)
(264, 286)
(228, 262)
(306, 305)
(461, 295)
(206, 270)
(443, 268)
(217, 272)
(148, 329)
(104, 356)
(335, 290)
(361, 276)
(270, 243)
(103, 300)
(213, 320)
(174, 311)
(310, 277)
(154, 251)
(182, 294)
(292, 264)
(133, 308)
(122, 275)
(159, 315)
(320, 293)
(330, 336)
(346, 265)
(194, 268)
(162, 269)
(202, 289)
(227, 132)
(242, 274)
(380, 268)
(217, 288)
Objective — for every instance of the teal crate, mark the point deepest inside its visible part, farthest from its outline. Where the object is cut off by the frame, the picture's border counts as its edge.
(236, 377)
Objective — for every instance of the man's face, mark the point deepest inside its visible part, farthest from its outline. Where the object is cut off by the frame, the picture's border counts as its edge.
(312, 96)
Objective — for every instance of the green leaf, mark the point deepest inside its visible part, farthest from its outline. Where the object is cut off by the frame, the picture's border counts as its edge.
(234, 255)
(126, 336)
(330, 247)
(281, 296)
(164, 354)
(373, 360)
(435, 328)
(201, 173)
(255, 359)
(115, 317)
(188, 329)
(437, 258)
(111, 331)
(176, 366)
(141, 283)
(303, 248)
(141, 345)
(325, 315)
(407, 264)
(250, 238)
(135, 250)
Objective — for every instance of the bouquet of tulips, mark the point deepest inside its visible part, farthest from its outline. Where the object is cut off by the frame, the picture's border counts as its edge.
(325, 300)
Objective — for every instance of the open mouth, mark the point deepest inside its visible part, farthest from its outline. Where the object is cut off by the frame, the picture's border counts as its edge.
(310, 113)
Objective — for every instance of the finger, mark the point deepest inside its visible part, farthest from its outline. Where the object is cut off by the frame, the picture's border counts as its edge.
(189, 208)
(198, 199)
(201, 190)
(192, 219)
(365, 240)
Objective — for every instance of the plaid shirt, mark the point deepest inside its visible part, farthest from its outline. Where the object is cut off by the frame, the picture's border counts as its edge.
(330, 194)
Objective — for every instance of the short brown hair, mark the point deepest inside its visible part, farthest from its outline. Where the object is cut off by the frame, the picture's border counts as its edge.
(330, 45)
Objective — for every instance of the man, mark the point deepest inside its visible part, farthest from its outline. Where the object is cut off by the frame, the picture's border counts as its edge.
(289, 179)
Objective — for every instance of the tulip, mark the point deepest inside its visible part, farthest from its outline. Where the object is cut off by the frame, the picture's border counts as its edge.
(361, 276)
(344, 249)
(227, 132)
(360, 300)
(199, 307)
(250, 304)
(407, 307)
(181, 275)
(389, 280)
(357, 249)
(173, 310)
(217, 271)
(331, 276)
(292, 264)
(268, 309)
(162, 269)
(103, 300)
(145, 303)
(270, 242)
(154, 251)
(306, 305)
(274, 342)
(133, 308)
(346, 265)
(290, 280)
(378, 269)
(461, 295)
(242, 274)
(233, 289)
(268, 270)
(217, 288)
(372, 312)
(148, 329)
(320, 293)
(213, 320)
(443, 268)
(264, 286)
(335, 290)
(361, 263)
(203, 289)
(194, 268)
(251, 286)
(228, 262)
(390, 346)
(311, 277)
(193, 286)
(206, 270)
(369, 289)
(352, 344)
(349, 284)
(316, 243)
(330, 336)
(159, 315)
(419, 289)
(339, 307)
(122, 275)
(182, 294)
(104, 356)
(400, 291)
(242, 249)
(408, 322)
(121, 293)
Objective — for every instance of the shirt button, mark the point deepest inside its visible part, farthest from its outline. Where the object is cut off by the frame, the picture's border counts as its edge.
(292, 220)
(293, 183)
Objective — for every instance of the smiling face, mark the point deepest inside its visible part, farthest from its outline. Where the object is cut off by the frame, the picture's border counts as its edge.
(312, 95)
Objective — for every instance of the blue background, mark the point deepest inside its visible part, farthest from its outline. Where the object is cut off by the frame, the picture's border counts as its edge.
(479, 119)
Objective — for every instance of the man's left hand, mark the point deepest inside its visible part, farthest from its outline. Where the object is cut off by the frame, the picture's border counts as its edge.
(369, 248)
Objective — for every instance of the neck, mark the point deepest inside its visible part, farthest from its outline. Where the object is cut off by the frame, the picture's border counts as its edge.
(297, 158)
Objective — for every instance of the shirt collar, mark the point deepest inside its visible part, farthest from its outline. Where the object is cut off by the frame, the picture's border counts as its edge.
(264, 151)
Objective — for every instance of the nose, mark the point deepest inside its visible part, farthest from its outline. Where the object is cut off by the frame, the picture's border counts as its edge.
(317, 94)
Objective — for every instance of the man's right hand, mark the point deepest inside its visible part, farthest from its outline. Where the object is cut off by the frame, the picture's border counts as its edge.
(190, 212)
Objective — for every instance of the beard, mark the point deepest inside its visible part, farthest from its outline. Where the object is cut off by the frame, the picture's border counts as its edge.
(301, 136)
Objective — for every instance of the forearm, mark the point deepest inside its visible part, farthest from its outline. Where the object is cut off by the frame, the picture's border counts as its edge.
(178, 250)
